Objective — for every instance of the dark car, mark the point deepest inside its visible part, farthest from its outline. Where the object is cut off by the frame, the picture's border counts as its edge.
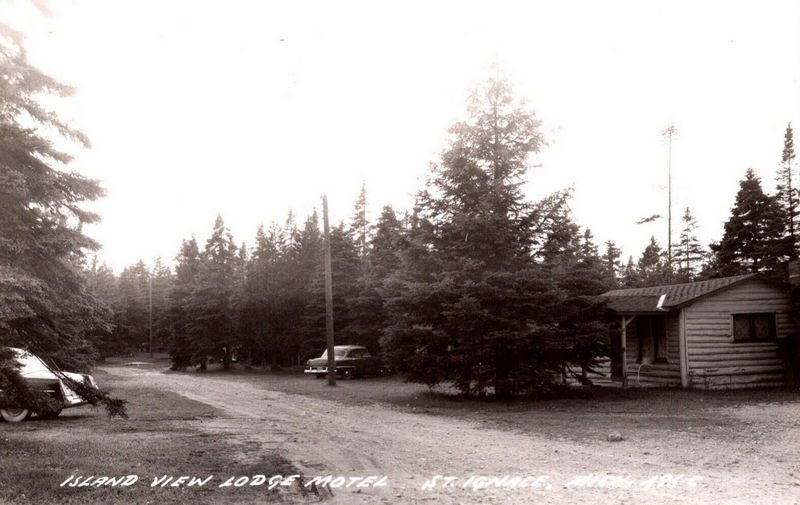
(351, 361)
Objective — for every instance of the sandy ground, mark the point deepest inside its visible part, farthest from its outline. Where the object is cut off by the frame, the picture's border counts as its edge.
(323, 437)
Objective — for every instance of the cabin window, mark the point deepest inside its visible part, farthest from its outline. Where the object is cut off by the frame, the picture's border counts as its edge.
(754, 327)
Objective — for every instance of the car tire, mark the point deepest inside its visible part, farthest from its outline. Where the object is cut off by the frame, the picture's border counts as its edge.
(348, 375)
(51, 415)
(15, 415)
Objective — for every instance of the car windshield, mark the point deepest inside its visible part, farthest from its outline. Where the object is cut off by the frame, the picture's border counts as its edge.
(29, 363)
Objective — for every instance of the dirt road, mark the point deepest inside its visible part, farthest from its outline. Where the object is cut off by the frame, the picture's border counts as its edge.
(323, 437)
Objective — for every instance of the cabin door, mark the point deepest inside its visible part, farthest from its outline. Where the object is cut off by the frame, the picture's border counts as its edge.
(651, 336)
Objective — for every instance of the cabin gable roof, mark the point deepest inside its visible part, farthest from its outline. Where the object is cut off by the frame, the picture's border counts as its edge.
(646, 300)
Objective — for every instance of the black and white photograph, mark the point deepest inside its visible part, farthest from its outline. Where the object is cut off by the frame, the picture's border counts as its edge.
(360, 252)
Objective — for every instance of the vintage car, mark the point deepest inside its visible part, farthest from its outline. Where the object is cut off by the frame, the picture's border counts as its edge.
(351, 361)
(39, 376)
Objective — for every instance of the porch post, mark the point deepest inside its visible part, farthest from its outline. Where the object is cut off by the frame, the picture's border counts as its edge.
(623, 341)
(683, 348)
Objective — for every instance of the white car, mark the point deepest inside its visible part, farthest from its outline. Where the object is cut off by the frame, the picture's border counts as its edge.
(38, 376)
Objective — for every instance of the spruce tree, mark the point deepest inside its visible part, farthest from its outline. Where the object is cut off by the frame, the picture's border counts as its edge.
(212, 327)
(45, 303)
(612, 265)
(102, 285)
(367, 309)
(469, 304)
(252, 317)
(787, 192)
(131, 310)
(305, 263)
(345, 273)
(630, 276)
(359, 226)
(653, 269)
(384, 245)
(272, 298)
(162, 279)
(688, 253)
(187, 268)
(754, 238)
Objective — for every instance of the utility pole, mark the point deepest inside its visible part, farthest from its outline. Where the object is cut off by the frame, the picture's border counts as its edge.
(150, 296)
(328, 294)
(668, 134)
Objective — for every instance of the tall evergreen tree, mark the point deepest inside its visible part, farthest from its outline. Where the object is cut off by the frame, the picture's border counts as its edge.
(630, 276)
(345, 273)
(611, 264)
(102, 285)
(45, 304)
(754, 235)
(653, 269)
(160, 290)
(688, 253)
(212, 325)
(385, 243)
(787, 195)
(366, 308)
(131, 314)
(274, 299)
(359, 226)
(253, 316)
(469, 304)
(187, 269)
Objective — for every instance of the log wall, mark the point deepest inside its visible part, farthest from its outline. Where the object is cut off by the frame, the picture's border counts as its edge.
(715, 360)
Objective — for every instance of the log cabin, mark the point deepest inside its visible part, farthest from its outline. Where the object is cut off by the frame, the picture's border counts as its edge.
(714, 334)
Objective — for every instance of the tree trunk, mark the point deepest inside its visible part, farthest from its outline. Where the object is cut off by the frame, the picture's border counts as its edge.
(502, 388)
(274, 366)
(228, 358)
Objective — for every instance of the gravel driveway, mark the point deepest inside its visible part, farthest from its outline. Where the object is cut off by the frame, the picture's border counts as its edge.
(323, 437)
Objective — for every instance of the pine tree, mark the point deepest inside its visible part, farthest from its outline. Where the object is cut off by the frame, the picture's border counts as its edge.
(753, 239)
(385, 243)
(787, 192)
(558, 235)
(653, 268)
(612, 265)
(366, 308)
(186, 272)
(630, 276)
(584, 272)
(468, 304)
(45, 303)
(305, 262)
(359, 226)
(131, 311)
(274, 299)
(251, 317)
(162, 280)
(102, 286)
(345, 273)
(688, 253)
(212, 327)
(588, 253)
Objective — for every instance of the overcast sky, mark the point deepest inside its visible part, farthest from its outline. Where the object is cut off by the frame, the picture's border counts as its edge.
(250, 109)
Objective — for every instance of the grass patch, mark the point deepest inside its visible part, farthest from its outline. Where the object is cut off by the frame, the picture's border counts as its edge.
(161, 437)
